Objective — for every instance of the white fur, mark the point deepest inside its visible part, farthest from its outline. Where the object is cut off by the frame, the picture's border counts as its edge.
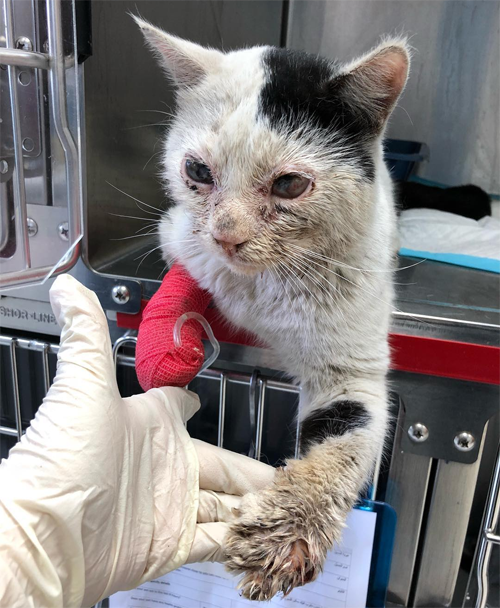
(327, 325)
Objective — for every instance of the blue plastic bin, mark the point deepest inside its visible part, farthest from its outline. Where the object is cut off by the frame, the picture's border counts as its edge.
(403, 156)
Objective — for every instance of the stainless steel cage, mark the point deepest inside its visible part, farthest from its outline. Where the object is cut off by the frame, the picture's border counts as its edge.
(259, 389)
(39, 148)
(60, 195)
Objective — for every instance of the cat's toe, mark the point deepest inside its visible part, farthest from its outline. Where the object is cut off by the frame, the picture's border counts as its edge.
(289, 568)
(274, 557)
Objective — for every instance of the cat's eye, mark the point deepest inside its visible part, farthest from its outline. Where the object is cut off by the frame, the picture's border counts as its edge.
(198, 172)
(290, 185)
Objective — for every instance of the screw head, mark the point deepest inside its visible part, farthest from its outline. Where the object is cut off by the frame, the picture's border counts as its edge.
(120, 294)
(4, 167)
(63, 230)
(32, 226)
(24, 43)
(464, 442)
(28, 144)
(418, 432)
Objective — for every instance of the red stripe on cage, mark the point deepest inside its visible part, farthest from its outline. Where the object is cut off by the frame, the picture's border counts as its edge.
(417, 354)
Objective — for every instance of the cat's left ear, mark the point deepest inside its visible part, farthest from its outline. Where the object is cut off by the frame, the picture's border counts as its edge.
(185, 62)
(371, 85)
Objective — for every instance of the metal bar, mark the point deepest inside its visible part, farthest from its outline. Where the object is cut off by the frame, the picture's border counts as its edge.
(35, 345)
(490, 523)
(445, 533)
(5, 430)
(24, 59)
(252, 389)
(493, 538)
(297, 438)
(222, 409)
(15, 388)
(407, 488)
(58, 107)
(126, 339)
(45, 368)
(260, 418)
(20, 212)
(57, 84)
(376, 475)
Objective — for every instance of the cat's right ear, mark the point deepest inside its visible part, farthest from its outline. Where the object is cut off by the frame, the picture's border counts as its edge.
(185, 62)
(370, 87)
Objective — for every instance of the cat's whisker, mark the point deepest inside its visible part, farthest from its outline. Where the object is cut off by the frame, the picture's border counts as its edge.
(282, 281)
(338, 263)
(181, 242)
(159, 112)
(162, 271)
(306, 288)
(370, 293)
(288, 278)
(311, 254)
(157, 211)
(151, 158)
(325, 290)
(135, 236)
(143, 256)
(148, 227)
(153, 124)
(131, 217)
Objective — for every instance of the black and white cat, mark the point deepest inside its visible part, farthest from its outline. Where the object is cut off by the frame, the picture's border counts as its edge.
(284, 211)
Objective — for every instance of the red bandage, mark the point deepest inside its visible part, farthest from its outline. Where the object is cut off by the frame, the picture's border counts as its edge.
(158, 361)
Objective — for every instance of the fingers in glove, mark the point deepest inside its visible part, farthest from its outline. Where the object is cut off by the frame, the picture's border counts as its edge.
(85, 342)
(216, 506)
(208, 543)
(231, 473)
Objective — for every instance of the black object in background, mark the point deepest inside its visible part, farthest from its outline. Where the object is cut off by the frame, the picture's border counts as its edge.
(469, 201)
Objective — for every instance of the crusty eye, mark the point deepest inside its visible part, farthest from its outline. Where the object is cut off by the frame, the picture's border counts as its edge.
(291, 185)
(198, 172)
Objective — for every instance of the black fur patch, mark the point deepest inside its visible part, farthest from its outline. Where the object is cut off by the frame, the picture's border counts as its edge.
(333, 420)
(302, 87)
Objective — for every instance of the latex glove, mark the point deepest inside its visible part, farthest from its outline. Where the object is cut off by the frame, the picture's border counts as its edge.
(104, 493)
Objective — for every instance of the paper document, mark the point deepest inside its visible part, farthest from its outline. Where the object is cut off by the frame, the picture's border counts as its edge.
(343, 583)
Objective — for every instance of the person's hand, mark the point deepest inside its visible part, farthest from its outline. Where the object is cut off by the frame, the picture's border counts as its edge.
(104, 493)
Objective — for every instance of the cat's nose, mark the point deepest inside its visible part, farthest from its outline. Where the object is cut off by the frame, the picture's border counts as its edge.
(229, 244)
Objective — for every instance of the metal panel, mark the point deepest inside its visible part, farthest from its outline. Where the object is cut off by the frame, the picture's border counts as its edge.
(447, 407)
(406, 492)
(445, 532)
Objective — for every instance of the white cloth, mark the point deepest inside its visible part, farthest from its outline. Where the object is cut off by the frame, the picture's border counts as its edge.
(442, 232)
(104, 493)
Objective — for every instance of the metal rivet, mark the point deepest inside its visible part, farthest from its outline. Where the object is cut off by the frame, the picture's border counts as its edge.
(418, 432)
(4, 167)
(28, 144)
(120, 294)
(464, 442)
(63, 230)
(24, 78)
(32, 226)
(24, 43)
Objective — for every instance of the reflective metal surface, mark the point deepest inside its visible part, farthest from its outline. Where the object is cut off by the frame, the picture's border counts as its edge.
(44, 156)
(407, 489)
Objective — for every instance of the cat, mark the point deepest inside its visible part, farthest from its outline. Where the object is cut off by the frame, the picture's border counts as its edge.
(284, 211)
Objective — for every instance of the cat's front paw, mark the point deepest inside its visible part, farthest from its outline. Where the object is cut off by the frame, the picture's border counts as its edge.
(281, 537)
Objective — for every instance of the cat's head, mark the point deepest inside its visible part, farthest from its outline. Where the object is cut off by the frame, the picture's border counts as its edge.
(272, 149)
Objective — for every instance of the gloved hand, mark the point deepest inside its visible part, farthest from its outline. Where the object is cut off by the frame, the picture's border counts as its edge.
(104, 493)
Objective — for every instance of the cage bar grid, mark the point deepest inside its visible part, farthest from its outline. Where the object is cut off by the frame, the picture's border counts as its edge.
(488, 536)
